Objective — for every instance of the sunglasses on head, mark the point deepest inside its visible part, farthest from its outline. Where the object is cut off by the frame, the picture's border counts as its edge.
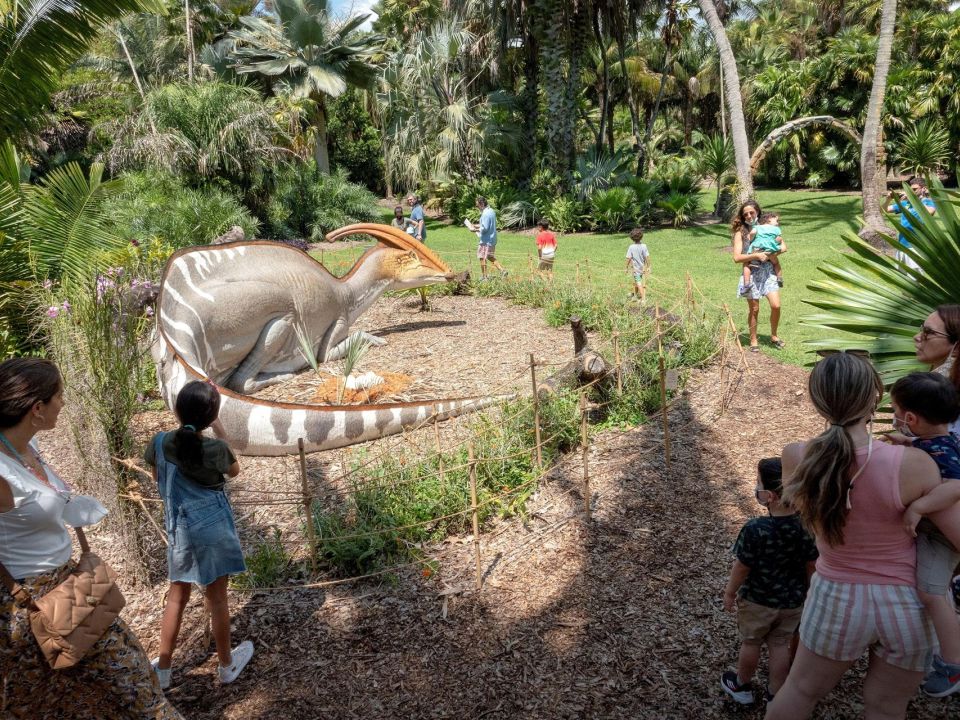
(865, 354)
(926, 332)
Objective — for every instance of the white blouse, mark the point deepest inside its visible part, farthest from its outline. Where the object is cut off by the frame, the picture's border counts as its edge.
(33, 538)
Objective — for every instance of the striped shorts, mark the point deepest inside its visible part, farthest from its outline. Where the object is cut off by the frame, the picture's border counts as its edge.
(842, 620)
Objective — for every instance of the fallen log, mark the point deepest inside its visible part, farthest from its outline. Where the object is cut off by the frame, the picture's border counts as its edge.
(586, 367)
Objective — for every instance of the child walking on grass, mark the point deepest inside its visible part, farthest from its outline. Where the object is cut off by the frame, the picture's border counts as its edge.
(766, 238)
(638, 262)
(775, 558)
(924, 405)
(546, 248)
(203, 546)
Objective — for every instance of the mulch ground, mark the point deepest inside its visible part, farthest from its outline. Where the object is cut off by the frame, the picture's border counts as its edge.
(616, 617)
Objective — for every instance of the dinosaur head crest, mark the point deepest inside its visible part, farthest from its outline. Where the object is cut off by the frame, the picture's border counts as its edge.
(394, 238)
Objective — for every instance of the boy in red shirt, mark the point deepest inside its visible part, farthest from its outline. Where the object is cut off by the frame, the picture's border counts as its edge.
(546, 248)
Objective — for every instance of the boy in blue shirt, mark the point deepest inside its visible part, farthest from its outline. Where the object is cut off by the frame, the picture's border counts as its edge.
(486, 231)
(924, 405)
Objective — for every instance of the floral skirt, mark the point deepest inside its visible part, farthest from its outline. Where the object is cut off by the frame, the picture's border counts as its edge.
(113, 682)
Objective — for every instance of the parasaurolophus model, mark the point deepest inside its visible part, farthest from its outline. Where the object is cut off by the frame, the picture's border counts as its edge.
(228, 313)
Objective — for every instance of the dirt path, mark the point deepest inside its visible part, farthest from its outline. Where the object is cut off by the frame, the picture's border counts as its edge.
(617, 618)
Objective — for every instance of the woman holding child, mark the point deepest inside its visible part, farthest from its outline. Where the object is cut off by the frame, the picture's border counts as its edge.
(853, 493)
(763, 278)
(938, 344)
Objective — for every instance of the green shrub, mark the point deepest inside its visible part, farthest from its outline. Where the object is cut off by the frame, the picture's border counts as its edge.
(355, 142)
(612, 208)
(156, 207)
(645, 194)
(267, 565)
(565, 214)
(680, 207)
(308, 204)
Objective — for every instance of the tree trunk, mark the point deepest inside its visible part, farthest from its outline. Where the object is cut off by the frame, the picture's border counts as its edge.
(871, 175)
(530, 100)
(586, 367)
(605, 90)
(731, 78)
(554, 45)
(320, 151)
(190, 52)
(634, 115)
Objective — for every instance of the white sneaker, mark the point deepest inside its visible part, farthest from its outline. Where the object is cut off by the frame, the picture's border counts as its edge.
(241, 656)
(162, 675)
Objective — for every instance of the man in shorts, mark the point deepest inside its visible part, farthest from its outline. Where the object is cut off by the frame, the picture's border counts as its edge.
(486, 230)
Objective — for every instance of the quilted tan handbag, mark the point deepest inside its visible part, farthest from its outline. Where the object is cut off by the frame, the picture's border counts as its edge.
(72, 617)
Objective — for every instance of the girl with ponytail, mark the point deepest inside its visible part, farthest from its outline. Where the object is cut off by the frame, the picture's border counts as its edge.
(852, 492)
(202, 542)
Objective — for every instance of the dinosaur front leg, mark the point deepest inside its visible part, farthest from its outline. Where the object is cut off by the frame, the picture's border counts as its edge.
(275, 336)
(339, 351)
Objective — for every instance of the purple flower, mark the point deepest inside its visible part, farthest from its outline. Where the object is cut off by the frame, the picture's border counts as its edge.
(103, 284)
(149, 311)
(47, 284)
(53, 311)
(66, 307)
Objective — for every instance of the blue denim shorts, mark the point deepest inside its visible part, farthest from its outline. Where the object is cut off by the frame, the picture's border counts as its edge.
(204, 545)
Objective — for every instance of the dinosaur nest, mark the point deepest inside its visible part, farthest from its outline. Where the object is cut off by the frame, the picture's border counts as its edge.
(464, 346)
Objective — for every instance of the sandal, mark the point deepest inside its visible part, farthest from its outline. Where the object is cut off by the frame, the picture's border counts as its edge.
(755, 348)
(779, 344)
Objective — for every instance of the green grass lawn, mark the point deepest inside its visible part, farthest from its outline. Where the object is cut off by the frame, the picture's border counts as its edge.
(812, 221)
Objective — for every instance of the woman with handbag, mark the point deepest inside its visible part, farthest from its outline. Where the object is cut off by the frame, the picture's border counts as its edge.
(89, 666)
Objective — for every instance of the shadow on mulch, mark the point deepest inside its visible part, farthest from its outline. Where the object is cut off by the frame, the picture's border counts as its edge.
(618, 617)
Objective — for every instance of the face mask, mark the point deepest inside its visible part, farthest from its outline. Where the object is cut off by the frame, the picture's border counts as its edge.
(82, 511)
(761, 502)
(900, 425)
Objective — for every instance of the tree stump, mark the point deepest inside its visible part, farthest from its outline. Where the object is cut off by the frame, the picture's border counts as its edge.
(587, 366)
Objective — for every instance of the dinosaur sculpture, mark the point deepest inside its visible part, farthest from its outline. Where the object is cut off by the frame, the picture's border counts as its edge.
(228, 313)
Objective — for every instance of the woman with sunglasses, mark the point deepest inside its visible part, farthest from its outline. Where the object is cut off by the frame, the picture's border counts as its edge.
(937, 346)
(764, 279)
(852, 493)
(114, 680)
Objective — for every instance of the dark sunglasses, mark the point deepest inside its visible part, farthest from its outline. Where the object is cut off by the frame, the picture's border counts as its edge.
(926, 332)
(865, 354)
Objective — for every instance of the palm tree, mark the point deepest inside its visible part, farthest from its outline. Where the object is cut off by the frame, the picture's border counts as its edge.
(310, 55)
(39, 39)
(871, 152)
(715, 158)
(882, 301)
(734, 100)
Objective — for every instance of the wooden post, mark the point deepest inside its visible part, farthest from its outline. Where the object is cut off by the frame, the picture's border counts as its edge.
(436, 437)
(663, 412)
(616, 361)
(585, 442)
(529, 262)
(536, 412)
(578, 273)
(307, 506)
(723, 367)
(656, 320)
(476, 515)
(691, 303)
(736, 336)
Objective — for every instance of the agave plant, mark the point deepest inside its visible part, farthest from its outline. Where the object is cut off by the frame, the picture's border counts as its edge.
(882, 301)
(924, 148)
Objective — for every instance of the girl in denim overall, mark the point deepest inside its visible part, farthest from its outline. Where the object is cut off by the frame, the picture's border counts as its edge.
(202, 542)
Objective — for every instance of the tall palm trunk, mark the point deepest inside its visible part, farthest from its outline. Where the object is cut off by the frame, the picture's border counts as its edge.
(190, 49)
(530, 100)
(605, 90)
(320, 151)
(731, 78)
(872, 176)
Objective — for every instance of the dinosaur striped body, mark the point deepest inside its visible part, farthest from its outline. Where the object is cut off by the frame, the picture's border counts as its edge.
(226, 313)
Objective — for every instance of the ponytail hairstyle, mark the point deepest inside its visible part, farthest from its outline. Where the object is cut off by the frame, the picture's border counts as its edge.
(845, 390)
(770, 471)
(950, 314)
(738, 221)
(197, 406)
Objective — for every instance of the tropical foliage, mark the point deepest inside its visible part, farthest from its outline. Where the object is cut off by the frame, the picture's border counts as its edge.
(883, 301)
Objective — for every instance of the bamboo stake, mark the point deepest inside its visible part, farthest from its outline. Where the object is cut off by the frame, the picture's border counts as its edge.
(656, 320)
(436, 438)
(736, 336)
(723, 367)
(311, 530)
(616, 361)
(578, 273)
(536, 411)
(476, 517)
(691, 303)
(664, 413)
(585, 442)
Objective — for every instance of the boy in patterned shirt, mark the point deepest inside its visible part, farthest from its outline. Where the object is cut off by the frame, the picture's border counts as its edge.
(775, 558)
(924, 405)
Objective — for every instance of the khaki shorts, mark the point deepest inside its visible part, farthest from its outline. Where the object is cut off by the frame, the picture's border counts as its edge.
(936, 563)
(759, 623)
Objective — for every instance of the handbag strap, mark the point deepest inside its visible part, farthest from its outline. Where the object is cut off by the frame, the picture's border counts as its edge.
(19, 592)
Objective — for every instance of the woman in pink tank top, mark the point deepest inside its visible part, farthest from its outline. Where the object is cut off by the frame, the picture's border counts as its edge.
(851, 493)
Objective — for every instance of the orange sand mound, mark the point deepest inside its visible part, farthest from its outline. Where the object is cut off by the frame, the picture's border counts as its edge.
(393, 383)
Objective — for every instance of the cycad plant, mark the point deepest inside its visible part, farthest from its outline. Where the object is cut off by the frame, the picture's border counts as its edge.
(872, 301)
(924, 148)
(715, 160)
